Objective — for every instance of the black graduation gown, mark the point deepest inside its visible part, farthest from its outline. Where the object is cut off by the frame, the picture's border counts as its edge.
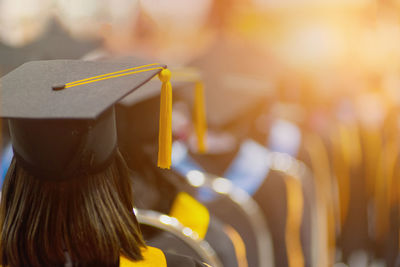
(174, 260)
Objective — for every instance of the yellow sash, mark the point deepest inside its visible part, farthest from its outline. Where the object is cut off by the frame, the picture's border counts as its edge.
(191, 213)
(238, 244)
(293, 222)
(151, 257)
(325, 199)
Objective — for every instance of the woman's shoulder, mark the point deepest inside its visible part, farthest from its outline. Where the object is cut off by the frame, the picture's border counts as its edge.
(155, 257)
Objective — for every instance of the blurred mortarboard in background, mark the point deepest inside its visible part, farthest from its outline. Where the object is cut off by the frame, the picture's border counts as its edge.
(56, 43)
(230, 97)
(61, 115)
(142, 106)
(145, 104)
(137, 123)
(235, 81)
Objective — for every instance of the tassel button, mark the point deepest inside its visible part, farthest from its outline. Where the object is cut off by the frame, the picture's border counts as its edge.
(164, 75)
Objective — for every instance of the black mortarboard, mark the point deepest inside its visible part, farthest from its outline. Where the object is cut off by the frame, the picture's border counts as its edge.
(61, 114)
(142, 106)
(231, 97)
(236, 82)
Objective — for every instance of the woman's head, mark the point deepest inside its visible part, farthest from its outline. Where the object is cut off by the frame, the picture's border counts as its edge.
(68, 189)
(89, 217)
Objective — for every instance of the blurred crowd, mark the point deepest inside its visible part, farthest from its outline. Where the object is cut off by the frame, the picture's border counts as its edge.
(302, 103)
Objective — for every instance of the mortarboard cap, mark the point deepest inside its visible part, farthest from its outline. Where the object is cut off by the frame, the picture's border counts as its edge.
(142, 106)
(230, 97)
(236, 82)
(61, 114)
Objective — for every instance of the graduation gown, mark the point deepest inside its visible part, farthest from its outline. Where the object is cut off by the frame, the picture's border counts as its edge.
(180, 205)
(154, 257)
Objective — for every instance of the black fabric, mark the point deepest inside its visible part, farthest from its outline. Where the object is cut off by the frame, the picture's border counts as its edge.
(145, 115)
(27, 91)
(230, 213)
(216, 164)
(60, 149)
(390, 249)
(167, 242)
(221, 243)
(156, 189)
(143, 107)
(272, 198)
(175, 260)
(309, 199)
(5, 136)
(154, 192)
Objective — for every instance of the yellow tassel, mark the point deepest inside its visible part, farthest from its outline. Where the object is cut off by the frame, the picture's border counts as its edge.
(200, 117)
(165, 126)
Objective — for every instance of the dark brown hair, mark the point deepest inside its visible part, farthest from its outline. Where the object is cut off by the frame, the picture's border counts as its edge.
(90, 218)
